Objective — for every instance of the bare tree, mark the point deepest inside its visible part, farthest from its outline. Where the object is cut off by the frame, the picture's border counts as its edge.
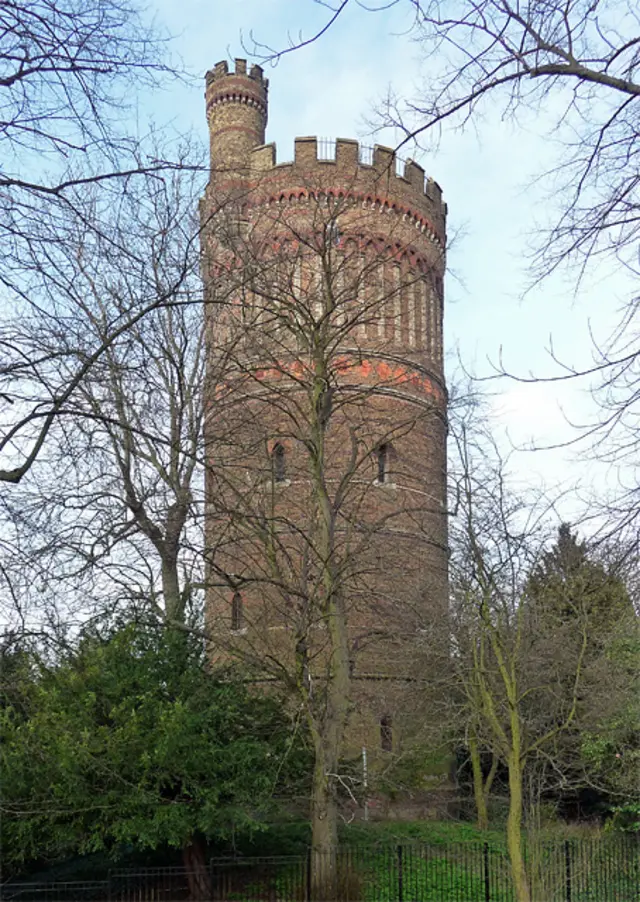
(66, 68)
(113, 513)
(326, 522)
(66, 71)
(527, 684)
(496, 51)
(578, 62)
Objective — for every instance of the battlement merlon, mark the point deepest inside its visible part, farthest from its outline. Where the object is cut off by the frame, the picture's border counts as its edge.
(221, 70)
(349, 158)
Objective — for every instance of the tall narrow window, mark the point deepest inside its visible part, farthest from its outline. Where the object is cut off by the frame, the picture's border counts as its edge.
(386, 733)
(383, 463)
(279, 468)
(237, 611)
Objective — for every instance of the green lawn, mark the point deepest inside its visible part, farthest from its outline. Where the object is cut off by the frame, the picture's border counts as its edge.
(446, 861)
(454, 873)
(432, 832)
(293, 837)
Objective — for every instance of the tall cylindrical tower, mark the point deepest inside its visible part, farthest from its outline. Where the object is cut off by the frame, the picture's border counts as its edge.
(236, 106)
(326, 424)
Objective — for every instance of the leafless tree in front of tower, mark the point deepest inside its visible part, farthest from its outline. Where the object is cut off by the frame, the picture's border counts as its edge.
(325, 442)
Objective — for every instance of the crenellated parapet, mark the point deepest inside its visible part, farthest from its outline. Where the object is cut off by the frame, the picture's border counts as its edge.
(221, 70)
(236, 104)
(345, 178)
(349, 154)
(242, 165)
(385, 212)
(248, 86)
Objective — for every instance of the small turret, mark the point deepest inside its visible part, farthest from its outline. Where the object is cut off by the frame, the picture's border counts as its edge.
(236, 112)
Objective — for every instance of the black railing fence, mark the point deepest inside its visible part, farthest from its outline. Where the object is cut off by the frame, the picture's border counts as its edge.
(600, 870)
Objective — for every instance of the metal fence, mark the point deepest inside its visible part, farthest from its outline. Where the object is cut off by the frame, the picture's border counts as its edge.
(603, 870)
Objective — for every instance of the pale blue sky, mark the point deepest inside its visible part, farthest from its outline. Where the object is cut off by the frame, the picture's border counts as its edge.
(330, 89)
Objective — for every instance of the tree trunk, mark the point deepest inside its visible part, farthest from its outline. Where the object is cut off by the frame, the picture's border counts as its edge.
(171, 593)
(324, 833)
(482, 817)
(481, 787)
(328, 726)
(194, 859)
(514, 832)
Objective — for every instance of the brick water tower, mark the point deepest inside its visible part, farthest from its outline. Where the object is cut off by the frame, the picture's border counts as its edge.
(326, 413)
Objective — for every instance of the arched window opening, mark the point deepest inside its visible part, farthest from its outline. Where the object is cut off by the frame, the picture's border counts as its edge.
(333, 233)
(386, 733)
(237, 611)
(279, 463)
(383, 455)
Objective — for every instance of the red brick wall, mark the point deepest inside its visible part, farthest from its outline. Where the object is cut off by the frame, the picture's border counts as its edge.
(359, 252)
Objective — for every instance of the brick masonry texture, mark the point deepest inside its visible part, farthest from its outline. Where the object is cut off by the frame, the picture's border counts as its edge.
(348, 256)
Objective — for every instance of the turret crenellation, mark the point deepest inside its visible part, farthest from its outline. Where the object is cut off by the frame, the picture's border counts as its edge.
(221, 70)
(375, 166)
(237, 107)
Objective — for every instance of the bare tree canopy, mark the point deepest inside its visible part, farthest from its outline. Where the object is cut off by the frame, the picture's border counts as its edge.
(538, 630)
(67, 72)
(582, 55)
(106, 512)
(65, 68)
(573, 69)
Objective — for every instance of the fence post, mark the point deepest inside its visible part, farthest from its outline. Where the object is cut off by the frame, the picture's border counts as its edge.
(308, 869)
(400, 887)
(567, 870)
(109, 885)
(487, 876)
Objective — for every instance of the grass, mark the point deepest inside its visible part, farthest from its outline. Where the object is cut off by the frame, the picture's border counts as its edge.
(450, 874)
(430, 832)
(440, 862)
(294, 837)
(444, 861)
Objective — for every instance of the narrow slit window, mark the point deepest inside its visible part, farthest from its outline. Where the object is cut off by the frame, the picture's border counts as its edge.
(279, 463)
(383, 463)
(386, 734)
(237, 611)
